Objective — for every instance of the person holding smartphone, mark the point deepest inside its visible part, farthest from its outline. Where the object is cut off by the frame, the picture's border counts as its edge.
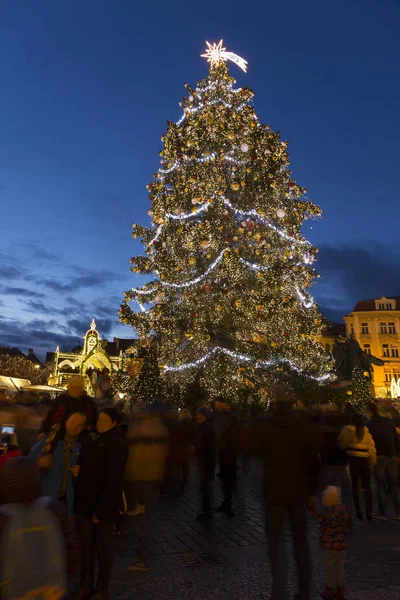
(9, 444)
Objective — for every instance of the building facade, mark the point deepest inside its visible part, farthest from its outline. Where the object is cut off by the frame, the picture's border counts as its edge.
(95, 355)
(375, 324)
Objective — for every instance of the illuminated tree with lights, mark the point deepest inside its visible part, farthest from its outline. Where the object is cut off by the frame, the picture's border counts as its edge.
(149, 385)
(361, 390)
(228, 300)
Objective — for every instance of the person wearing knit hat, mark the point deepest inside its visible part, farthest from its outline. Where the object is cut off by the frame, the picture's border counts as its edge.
(334, 523)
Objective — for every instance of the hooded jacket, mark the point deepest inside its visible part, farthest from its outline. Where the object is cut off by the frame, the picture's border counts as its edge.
(20, 484)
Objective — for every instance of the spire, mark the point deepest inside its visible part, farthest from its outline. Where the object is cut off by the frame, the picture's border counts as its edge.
(93, 325)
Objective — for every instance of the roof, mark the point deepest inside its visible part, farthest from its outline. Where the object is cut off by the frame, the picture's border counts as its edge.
(118, 345)
(5, 350)
(49, 357)
(334, 330)
(370, 305)
(33, 358)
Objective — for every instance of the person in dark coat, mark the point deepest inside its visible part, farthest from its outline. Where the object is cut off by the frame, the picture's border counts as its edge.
(98, 500)
(227, 431)
(73, 401)
(184, 439)
(206, 454)
(288, 446)
(334, 459)
(384, 433)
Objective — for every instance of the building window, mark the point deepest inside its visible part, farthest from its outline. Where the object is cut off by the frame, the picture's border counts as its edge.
(381, 306)
(367, 348)
(388, 377)
(383, 327)
(385, 350)
(352, 328)
(388, 307)
(392, 327)
(364, 328)
(395, 352)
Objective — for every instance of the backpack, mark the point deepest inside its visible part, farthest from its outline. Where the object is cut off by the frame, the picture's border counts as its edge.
(32, 553)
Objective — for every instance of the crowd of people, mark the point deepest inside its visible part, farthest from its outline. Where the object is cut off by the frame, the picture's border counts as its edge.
(94, 466)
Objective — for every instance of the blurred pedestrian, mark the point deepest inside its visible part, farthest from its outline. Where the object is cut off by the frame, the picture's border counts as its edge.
(361, 452)
(206, 454)
(334, 459)
(57, 456)
(148, 448)
(184, 440)
(288, 445)
(383, 431)
(74, 400)
(225, 423)
(39, 548)
(334, 522)
(98, 500)
(244, 442)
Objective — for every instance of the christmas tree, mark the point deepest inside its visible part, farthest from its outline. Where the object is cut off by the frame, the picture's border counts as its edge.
(361, 390)
(231, 268)
(149, 384)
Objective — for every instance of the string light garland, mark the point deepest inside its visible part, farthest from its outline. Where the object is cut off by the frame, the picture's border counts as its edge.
(230, 264)
(241, 358)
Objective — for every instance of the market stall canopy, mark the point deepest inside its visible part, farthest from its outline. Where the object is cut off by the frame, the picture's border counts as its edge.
(13, 384)
(41, 388)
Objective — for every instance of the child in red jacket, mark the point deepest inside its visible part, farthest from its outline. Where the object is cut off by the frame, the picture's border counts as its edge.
(334, 523)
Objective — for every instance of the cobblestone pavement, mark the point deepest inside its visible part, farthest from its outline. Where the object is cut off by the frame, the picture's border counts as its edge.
(228, 559)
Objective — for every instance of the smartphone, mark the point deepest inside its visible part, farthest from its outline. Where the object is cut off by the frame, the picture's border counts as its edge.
(7, 431)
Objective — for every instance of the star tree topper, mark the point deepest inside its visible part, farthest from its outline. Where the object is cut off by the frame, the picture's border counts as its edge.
(216, 54)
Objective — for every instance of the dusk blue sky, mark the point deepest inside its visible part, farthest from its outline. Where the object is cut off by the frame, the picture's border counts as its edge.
(86, 90)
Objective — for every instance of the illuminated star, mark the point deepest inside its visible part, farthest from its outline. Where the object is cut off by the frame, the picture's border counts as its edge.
(216, 55)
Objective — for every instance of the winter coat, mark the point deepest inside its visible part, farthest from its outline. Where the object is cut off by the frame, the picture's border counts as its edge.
(364, 448)
(53, 478)
(20, 484)
(180, 441)
(226, 428)
(65, 406)
(288, 446)
(206, 450)
(98, 488)
(384, 434)
(330, 428)
(148, 449)
(334, 522)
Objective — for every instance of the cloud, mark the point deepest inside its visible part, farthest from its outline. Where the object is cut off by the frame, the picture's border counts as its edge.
(75, 284)
(80, 326)
(350, 273)
(7, 272)
(37, 334)
(36, 306)
(39, 253)
(18, 291)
